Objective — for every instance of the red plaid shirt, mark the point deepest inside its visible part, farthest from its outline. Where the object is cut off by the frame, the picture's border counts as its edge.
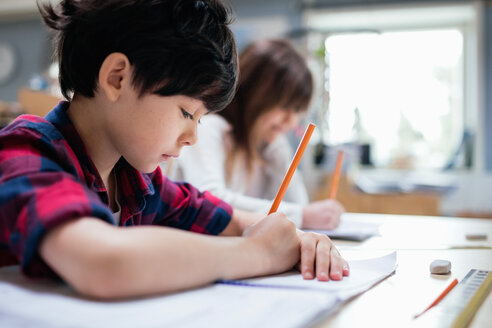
(47, 178)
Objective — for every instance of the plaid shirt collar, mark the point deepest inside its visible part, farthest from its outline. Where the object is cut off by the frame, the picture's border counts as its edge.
(131, 195)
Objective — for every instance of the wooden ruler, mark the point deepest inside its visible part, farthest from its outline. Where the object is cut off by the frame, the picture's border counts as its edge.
(458, 308)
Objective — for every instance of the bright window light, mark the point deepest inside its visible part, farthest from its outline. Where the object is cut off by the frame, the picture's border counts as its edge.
(401, 92)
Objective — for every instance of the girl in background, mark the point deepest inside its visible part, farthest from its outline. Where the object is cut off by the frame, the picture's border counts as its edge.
(242, 152)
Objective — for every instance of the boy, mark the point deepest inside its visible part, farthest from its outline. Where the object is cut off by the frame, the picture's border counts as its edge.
(139, 74)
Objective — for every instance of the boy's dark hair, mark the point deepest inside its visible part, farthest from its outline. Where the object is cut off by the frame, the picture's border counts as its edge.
(174, 46)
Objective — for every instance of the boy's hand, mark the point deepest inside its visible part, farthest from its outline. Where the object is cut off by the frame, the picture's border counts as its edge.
(323, 214)
(278, 240)
(320, 258)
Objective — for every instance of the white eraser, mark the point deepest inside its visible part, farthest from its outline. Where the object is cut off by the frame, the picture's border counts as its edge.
(440, 267)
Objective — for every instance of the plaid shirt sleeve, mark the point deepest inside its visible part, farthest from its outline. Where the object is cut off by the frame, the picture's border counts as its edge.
(39, 190)
(183, 206)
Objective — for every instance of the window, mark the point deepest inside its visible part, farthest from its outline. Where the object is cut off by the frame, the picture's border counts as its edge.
(397, 87)
(400, 92)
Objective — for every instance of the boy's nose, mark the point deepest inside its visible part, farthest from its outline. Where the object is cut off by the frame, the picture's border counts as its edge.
(189, 138)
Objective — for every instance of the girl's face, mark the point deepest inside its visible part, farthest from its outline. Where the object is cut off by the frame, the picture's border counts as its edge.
(275, 122)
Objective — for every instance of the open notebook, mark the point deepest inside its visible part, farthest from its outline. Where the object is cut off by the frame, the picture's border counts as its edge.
(363, 274)
(291, 303)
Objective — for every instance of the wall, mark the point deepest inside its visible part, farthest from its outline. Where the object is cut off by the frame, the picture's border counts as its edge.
(487, 21)
(30, 41)
(256, 19)
(360, 3)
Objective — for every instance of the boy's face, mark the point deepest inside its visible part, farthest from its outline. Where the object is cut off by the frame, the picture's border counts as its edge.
(152, 129)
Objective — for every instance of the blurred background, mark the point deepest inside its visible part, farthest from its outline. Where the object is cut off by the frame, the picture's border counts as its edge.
(402, 88)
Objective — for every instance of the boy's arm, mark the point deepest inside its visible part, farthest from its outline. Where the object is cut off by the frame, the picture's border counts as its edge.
(105, 261)
(240, 220)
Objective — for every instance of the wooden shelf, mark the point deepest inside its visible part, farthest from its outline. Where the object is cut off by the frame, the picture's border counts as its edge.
(36, 102)
(356, 201)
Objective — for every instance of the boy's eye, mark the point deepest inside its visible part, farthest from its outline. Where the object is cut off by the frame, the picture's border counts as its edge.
(186, 114)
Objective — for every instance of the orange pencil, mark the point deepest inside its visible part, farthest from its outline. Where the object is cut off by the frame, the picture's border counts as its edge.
(440, 297)
(336, 175)
(292, 167)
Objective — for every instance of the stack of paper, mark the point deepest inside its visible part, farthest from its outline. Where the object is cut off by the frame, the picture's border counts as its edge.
(352, 230)
(397, 181)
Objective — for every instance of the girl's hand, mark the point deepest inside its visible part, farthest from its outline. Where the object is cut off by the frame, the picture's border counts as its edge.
(322, 214)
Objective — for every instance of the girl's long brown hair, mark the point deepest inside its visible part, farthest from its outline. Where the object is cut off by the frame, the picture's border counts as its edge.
(272, 74)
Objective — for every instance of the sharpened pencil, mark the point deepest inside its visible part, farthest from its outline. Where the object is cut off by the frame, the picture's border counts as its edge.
(292, 167)
(336, 176)
(440, 297)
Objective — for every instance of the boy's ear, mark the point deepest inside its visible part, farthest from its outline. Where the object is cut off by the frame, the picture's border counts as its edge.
(115, 71)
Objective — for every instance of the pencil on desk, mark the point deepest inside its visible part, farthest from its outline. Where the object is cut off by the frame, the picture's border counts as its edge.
(336, 176)
(292, 167)
(440, 297)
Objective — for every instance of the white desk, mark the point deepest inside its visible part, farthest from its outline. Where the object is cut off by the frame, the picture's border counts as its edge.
(418, 240)
(392, 302)
(398, 232)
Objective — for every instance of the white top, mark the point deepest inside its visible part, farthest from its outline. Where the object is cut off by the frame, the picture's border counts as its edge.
(117, 216)
(203, 165)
